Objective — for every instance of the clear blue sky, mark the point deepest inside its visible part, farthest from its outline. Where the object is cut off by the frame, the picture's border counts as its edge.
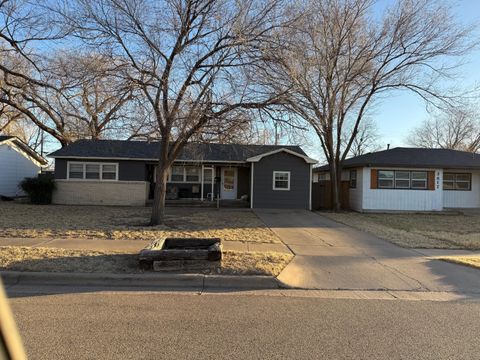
(396, 116)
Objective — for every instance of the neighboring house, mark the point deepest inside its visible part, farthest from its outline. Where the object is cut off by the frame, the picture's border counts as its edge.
(17, 161)
(411, 179)
(115, 172)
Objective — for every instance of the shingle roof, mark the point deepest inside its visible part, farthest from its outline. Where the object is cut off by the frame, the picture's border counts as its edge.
(122, 149)
(414, 157)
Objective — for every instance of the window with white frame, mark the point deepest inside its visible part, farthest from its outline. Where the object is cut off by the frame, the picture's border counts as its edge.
(419, 180)
(92, 171)
(281, 180)
(184, 174)
(402, 179)
(386, 179)
(457, 181)
(177, 174)
(192, 174)
(207, 175)
(75, 170)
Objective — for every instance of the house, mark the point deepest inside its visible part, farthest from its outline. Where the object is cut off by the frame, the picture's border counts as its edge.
(17, 161)
(410, 179)
(116, 172)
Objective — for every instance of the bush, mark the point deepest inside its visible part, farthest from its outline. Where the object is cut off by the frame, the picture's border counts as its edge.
(39, 189)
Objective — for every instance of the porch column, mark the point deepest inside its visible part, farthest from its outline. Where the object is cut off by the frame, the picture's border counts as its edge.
(201, 184)
(213, 182)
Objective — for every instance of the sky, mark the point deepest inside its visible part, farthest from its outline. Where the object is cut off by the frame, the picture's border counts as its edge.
(398, 115)
(401, 112)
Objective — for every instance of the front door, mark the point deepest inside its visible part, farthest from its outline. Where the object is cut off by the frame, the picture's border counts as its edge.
(229, 183)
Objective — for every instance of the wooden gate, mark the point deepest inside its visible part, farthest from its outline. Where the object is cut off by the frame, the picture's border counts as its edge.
(322, 198)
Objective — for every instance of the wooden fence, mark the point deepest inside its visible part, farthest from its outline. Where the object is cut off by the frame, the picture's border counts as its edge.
(322, 198)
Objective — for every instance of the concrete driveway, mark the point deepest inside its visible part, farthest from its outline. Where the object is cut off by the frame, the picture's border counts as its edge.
(330, 255)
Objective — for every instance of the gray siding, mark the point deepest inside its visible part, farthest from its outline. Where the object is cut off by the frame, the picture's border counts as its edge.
(243, 183)
(128, 170)
(60, 169)
(296, 198)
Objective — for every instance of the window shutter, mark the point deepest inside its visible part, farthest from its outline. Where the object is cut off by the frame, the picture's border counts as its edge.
(374, 179)
(431, 180)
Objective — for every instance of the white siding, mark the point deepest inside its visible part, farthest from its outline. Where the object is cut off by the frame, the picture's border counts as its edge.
(401, 200)
(14, 167)
(463, 199)
(357, 193)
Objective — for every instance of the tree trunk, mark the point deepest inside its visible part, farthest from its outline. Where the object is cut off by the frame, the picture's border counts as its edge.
(158, 208)
(335, 180)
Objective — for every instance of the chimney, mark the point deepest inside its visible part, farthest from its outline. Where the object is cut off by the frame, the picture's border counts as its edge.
(388, 146)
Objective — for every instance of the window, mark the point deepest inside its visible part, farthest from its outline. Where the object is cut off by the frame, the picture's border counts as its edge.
(402, 179)
(460, 181)
(190, 174)
(385, 179)
(177, 174)
(92, 171)
(353, 179)
(193, 174)
(419, 180)
(109, 172)
(281, 180)
(75, 171)
(207, 175)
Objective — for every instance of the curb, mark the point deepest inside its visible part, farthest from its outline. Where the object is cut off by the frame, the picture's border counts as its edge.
(197, 281)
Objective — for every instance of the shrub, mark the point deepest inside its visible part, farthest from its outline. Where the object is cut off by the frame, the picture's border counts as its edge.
(39, 189)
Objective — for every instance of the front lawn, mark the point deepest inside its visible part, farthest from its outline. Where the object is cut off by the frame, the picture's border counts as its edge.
(442, 231)
(16, 258)
(103, 222)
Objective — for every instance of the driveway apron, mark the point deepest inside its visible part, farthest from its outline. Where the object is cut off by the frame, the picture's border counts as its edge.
(330, 255)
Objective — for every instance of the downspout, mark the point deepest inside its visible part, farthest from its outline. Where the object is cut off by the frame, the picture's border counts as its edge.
(310, 190)
(251, 186)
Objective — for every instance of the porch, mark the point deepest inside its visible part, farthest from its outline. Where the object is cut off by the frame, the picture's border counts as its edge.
(203, 184)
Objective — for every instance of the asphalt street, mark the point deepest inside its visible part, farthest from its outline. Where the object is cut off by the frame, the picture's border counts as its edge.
(236, 325)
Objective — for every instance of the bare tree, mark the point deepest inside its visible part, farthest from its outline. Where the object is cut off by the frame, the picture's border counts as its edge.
(366, 140)
(80, 96)
(186, 56)
(342, 56)
(453, 128)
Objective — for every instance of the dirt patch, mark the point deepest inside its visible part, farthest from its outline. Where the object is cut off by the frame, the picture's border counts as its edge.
(436, 231)
(17, 258)
(102, 222)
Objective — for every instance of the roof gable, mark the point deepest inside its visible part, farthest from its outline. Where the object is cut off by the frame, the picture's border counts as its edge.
(23, 148)
(288, 151)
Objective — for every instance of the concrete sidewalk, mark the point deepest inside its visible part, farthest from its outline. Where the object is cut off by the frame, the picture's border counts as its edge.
(131, 246)
(332, 256)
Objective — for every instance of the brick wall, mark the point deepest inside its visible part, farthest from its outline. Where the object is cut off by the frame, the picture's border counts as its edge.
(121, 193)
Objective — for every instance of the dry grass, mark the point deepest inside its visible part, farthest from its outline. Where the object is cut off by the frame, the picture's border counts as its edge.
(100, 222)
(83, 261)
(472, 261)
(441, 231)
(254, 263)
